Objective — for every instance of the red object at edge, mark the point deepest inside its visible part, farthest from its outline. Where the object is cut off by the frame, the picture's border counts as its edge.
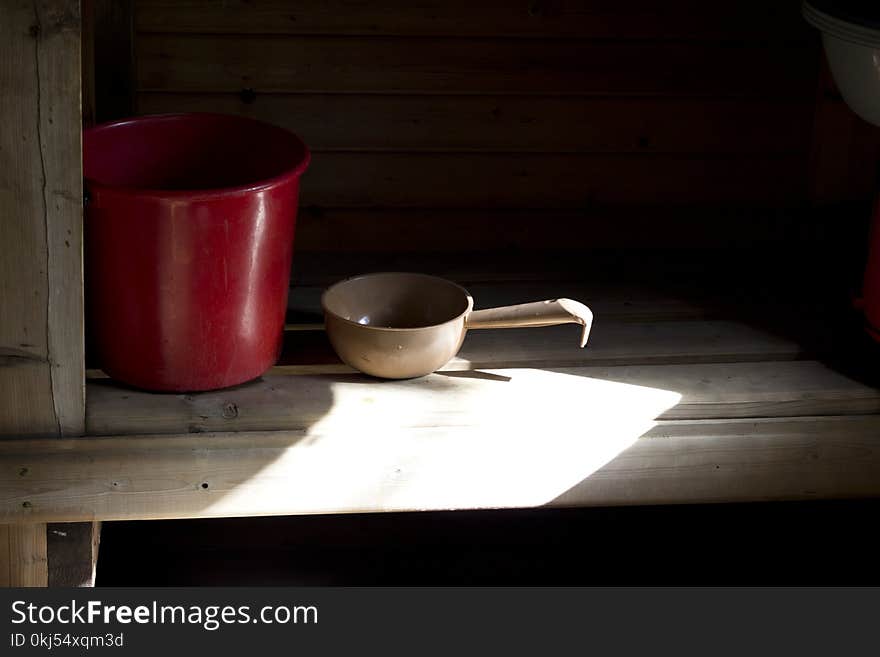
(870, 301)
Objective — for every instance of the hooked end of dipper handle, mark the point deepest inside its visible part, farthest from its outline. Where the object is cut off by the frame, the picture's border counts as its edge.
(580, 314)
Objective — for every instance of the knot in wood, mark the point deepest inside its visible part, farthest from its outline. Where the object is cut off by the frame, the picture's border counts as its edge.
(230, 411)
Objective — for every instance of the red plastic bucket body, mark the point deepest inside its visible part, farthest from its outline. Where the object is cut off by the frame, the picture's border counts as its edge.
(188, 243)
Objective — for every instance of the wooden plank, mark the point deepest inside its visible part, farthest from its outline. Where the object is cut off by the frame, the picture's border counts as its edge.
(516, 124)
(629, 19)
(5, 561)
(41, 332)
(445, 180)
(390, 232)
(41, 283)
(718, 270)
(482, 66)
(23, 555)
(741, 461)
(711, 390)
(619, 300)
(294, 472)
(613, 343)
(73, 553)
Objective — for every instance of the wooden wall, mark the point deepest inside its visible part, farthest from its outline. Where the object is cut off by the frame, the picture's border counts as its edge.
(457, 124)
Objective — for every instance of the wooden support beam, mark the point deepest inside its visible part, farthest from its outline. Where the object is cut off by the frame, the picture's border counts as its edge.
(23, 555)
(41, 282)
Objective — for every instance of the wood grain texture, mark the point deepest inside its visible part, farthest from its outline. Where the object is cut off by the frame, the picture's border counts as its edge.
(710, 390)
(392, 231)
(41, 282)
(515, 124)
(743, 461)
(470, 66)
(41, 332)
(23, 555)
(283, 473)
(443, 180)
(598, 19)
(5, 561)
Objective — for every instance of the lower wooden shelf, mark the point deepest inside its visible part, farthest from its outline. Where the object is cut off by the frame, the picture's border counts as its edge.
(672, 402)
(294, 472)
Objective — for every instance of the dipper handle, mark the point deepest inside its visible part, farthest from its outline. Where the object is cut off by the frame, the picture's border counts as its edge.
(537, 313)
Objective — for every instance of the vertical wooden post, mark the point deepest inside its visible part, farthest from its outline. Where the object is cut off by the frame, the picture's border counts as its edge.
(42, 375)
(23, 555)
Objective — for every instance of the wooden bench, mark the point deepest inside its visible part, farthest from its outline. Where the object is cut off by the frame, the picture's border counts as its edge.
(680, 397)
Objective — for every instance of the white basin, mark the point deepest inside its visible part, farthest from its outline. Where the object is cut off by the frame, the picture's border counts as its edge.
(853, 52)
(856, 70)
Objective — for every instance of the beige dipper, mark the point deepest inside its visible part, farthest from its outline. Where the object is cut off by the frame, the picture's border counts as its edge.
(402, 325)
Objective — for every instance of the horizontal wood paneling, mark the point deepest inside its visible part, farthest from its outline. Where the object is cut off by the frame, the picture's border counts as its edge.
(602, 19)
(172, 62)
(517, 124)
(459, 230)
(541, 181)
(627, 123)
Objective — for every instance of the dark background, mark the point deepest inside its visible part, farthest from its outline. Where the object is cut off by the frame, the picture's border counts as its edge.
(798, 543)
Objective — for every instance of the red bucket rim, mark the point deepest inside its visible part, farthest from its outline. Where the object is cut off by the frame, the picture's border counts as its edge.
(216, 192)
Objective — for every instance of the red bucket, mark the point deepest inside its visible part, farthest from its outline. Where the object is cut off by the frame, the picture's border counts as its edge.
(189, 240)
